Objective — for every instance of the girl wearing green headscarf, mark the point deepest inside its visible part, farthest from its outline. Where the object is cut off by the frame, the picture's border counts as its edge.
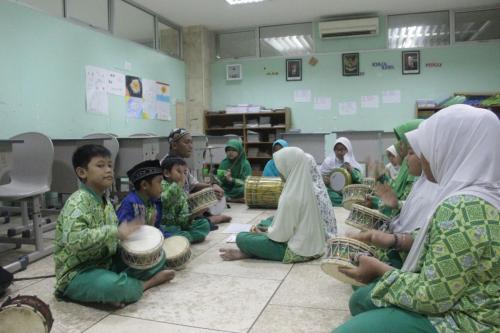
(399, 189)
(233, 170)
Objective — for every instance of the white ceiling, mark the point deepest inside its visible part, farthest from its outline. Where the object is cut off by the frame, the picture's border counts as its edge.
(218, 15)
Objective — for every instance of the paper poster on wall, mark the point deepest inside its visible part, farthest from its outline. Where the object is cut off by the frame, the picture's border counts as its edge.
(115, 83)
(370, 102)
(348, 108)
(134, 107)
(149, 91)
(163, 101)
(133, 86)
(302, 96)
(96, 97)
(97, 101)
(322, 103)
(391, 96)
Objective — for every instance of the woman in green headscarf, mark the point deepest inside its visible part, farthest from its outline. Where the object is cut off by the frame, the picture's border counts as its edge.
(393, 195)
(233, 170)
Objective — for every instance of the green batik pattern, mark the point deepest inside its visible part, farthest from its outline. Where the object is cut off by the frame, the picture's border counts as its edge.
(457, 283)
(356, 176)
(291, 257)
(175, 208)
(86, 236)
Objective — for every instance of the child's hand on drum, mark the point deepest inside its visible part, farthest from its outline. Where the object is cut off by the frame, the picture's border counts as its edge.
(127, 228)
(219, 192)
(347, 166)
(368, 201)
(326, 180)
(368, 269)
(387, 195)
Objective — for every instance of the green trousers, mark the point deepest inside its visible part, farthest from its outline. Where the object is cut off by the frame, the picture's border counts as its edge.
(120, 284)
(196, 233)
(259, 245)
(367, 318)
(335, 197)
(235, 191)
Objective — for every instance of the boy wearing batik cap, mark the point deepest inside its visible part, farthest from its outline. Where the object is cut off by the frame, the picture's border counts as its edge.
(144, 200)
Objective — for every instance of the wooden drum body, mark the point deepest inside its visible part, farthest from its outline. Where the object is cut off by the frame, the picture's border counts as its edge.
(341, 251)
(177, 251)
(201, 200)
(143, 249)
(263, 192)
(23, 314)
(365, 218)
(354, 194)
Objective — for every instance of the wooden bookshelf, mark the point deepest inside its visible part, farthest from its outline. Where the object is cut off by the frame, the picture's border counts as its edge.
(257, 137)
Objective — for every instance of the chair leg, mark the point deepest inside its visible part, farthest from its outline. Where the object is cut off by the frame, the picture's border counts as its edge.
(40, 249)
(24, 213)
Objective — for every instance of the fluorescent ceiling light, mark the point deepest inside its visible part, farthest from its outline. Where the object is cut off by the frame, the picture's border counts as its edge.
(242, 2)
(291, 45)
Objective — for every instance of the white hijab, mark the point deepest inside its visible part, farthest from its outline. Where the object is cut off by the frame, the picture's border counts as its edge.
(417, 206)
(332, 162)
(391, 169)
(460, 143)
(305, 216)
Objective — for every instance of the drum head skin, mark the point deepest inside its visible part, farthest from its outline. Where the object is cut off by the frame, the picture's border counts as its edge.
(175, 246)
(339, 179)
(145, 239)
(23, 314)
(331, 267)
(177, 251)
(21, 319)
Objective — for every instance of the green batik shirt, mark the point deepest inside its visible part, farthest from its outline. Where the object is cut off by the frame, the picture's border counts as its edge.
(86, 236)
(457, 283)
(175, 208)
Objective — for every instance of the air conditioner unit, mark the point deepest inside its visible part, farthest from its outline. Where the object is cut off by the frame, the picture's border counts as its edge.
(349, 28)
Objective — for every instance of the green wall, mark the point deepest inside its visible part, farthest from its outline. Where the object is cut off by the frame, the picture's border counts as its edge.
(470, 68)
(42, 71)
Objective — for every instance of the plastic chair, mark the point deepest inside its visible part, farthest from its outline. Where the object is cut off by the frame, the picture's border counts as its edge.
(31, 176)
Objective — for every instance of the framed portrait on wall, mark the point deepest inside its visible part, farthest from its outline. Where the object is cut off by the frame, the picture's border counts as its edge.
(233, 72)
(411, 62)
(293, 69)
(350, 64)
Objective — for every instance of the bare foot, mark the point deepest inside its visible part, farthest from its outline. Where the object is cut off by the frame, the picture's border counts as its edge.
(232, 254)
(118, 305)
(159, 278)
(216, 219)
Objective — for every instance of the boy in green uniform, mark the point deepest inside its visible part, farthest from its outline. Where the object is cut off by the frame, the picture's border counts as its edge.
(88, 265)
(176, 217)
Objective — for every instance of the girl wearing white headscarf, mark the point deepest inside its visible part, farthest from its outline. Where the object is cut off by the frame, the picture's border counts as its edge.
(304, 219)
(392, 168)
(343, 157)
(451, 278)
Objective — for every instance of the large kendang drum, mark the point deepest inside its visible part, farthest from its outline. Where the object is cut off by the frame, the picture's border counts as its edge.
(263, 192)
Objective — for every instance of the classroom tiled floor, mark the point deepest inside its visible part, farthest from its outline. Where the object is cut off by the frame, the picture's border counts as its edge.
(209, 295)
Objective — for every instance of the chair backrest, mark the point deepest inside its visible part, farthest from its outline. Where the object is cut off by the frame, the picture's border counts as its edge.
(111, 143)
(141, 134)
(32, 159)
